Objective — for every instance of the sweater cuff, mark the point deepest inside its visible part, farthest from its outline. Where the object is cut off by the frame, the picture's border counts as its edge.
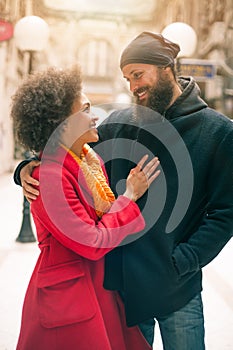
(185, 259)
(19, 167)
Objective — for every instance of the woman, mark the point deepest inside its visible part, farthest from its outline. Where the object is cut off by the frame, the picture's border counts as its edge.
(77, 219)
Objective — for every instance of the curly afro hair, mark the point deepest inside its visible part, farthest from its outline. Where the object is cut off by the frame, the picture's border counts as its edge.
(43, 101)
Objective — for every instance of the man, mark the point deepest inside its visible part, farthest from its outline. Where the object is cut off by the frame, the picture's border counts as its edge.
(191, 219)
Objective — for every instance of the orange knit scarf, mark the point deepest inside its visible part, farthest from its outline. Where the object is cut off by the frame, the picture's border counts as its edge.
(90, 165)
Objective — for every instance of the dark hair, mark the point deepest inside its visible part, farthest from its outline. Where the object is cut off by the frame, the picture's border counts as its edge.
(173, 70)
(42, 102)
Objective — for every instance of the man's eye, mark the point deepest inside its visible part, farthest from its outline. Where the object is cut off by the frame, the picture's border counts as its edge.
(137, 75)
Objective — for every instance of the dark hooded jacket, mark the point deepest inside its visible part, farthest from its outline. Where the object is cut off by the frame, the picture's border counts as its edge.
(188, 209)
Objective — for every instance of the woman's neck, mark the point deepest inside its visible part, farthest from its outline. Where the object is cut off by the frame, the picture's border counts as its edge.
(76, 147)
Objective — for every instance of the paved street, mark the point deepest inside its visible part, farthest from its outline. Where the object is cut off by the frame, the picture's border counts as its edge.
(17, 261)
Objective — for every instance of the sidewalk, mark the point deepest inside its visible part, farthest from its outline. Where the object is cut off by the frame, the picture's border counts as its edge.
(17, 261)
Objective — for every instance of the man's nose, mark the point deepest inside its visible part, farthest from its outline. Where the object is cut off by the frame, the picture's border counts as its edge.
(133, 86)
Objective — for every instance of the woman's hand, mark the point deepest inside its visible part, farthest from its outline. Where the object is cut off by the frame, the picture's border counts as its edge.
(28, 182)
(141, 177)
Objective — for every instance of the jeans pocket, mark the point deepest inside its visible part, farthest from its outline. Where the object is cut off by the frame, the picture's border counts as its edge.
(64, 296)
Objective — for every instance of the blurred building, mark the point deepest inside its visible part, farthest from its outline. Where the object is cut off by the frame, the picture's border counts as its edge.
(94, 32)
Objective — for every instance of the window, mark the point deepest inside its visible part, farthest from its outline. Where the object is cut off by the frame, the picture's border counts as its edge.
(95, 59)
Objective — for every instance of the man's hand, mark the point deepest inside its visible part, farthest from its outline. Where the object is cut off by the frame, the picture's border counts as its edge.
(28, 182)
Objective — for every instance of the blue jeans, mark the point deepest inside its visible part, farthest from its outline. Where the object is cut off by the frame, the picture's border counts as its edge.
(181, 330)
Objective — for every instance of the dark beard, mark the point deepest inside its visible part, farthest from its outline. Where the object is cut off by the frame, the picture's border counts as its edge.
(160, 96)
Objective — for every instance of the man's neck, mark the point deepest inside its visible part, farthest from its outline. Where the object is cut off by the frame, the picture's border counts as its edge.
(177, 92)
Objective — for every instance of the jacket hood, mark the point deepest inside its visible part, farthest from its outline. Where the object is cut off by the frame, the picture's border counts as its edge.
(188, 102)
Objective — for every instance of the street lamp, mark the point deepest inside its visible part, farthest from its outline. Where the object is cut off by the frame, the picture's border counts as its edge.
(31, 34)
(184, 35)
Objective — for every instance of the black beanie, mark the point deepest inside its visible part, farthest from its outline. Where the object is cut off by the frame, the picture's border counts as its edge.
(150, 48)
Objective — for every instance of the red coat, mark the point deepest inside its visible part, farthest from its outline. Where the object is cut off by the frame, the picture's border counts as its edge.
(66, 306)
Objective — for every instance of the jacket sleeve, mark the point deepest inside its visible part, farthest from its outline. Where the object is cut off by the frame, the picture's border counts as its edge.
(19, 167)
(63, 212)
(217, 225)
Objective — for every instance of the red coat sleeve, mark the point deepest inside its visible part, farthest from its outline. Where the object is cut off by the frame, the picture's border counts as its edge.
(63, 211)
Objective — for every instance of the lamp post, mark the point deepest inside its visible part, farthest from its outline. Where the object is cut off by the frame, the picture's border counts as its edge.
(31, 34)
(184, 35)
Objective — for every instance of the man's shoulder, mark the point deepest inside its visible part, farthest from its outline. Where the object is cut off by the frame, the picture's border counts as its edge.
(217, 120)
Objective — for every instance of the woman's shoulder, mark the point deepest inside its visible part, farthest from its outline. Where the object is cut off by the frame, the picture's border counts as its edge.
(55, 166)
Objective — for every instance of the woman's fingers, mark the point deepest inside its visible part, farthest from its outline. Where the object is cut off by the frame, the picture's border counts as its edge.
(148, 171)
(141, 177)
(153, 177)
(150, 166)
(141, 162)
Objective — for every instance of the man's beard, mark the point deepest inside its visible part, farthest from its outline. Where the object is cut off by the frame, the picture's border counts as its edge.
(160, 95)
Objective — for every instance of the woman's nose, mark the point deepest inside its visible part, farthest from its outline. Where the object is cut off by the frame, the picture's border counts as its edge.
(94, 117)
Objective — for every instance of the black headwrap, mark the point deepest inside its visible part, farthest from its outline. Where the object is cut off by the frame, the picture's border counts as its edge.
(150, 48)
